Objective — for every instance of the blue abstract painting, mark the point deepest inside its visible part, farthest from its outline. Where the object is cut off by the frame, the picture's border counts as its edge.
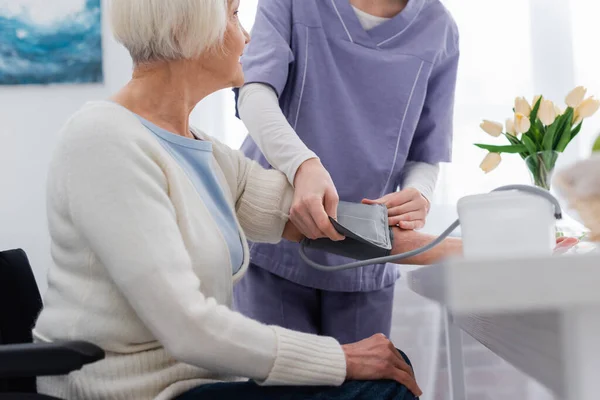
(50, 41)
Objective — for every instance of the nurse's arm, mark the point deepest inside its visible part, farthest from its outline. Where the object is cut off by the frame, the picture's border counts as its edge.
(315, 197)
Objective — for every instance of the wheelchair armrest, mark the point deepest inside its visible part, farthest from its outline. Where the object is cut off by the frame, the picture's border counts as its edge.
(46, 359)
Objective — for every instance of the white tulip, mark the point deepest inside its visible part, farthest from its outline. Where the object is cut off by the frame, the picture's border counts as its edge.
(558, 110)
(576, 96)
(522, 123)
(522, 106)
(547, 112)
(491, 128)
(490, 162)
(586, 109)
(510, 126)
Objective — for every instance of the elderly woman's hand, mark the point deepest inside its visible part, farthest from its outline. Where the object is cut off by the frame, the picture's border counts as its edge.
(564, 244)
(315, 200)
(405, 240)
(376, 358)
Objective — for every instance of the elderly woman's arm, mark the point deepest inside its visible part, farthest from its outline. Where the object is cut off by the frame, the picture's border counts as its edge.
(263, 197)
(404, 241)
(263, 204)
(407, 240)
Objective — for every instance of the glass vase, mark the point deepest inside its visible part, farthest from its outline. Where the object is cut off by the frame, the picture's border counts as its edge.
(541, 166)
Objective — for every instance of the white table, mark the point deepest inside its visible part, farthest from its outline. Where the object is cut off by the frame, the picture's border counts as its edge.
(541, 315)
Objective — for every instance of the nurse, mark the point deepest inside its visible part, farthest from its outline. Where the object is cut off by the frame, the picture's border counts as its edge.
(349, 98)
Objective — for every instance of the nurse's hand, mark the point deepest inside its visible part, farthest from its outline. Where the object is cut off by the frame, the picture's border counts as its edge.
(376, 358)
(407, 208)
(315, 199)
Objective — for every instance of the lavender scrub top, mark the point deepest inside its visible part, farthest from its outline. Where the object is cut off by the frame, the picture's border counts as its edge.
(364, 101)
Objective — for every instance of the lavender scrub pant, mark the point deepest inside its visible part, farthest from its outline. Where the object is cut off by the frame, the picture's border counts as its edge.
(346, 316)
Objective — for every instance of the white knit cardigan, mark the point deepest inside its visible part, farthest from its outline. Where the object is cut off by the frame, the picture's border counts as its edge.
(141, 269)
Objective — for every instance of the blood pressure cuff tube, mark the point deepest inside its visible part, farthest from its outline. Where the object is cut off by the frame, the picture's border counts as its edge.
(366, 229)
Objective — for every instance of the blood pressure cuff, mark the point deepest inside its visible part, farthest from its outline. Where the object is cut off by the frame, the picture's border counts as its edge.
(366, 229)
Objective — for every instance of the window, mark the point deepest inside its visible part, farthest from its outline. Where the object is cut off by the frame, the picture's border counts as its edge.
(515, 48)
(495, 67)
(587, 61)
(216, 114)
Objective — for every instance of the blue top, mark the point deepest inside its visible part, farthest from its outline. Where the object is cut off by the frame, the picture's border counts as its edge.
(364, 101)
(196, 159)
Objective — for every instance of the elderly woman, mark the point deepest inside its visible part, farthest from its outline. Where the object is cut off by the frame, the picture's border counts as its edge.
(148, 219)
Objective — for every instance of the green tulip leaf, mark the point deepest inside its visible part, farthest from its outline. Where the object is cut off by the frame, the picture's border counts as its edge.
(512, 149)
(530, 145)
(548, 141)
(534, 112)
(535, 133)
(515, 140)
(576, 131)
(556, 130)
(596, 146)
(564, 136)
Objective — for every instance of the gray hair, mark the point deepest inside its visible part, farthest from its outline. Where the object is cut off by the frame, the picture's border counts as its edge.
(158, 30)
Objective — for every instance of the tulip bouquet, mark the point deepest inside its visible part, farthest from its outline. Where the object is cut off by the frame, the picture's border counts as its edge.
(539, 133)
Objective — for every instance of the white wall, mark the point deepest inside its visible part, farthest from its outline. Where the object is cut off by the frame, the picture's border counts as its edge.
(30, 119)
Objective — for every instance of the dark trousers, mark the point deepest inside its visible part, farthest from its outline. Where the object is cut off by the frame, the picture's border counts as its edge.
(352, 390)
